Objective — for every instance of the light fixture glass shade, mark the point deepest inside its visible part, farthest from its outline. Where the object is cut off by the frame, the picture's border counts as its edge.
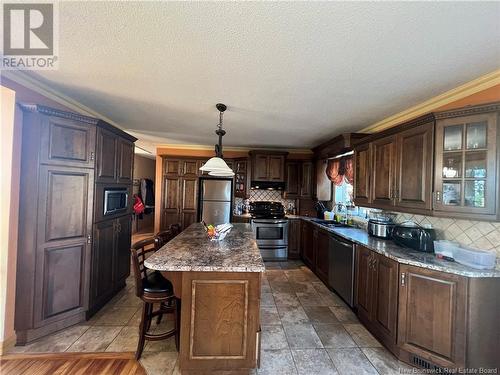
(218, 166)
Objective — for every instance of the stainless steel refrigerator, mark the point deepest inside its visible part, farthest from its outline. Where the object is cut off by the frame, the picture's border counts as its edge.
(215, 200)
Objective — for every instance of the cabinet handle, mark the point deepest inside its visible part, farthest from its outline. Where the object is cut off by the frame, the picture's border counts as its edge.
(403, 279)
(92, 155)
(438, 196)
(89, 239)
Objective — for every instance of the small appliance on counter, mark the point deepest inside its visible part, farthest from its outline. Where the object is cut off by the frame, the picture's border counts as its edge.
(414, 236)
(380, 227)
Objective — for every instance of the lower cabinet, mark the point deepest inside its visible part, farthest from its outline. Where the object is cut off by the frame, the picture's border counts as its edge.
(294, 243)
(377, 294)
(432, 316)
(322, 250)
(110, 260)
(308, 237)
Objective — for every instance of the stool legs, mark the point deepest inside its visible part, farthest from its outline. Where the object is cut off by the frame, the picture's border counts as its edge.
(142, 330)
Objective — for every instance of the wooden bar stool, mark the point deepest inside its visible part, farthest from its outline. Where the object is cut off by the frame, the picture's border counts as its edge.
(153, 288)
(163, 237)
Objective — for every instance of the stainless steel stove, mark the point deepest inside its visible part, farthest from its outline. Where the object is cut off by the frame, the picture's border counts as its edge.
(271, 229)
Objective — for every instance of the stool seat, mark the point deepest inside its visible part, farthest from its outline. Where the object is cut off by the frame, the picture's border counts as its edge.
(156, 283)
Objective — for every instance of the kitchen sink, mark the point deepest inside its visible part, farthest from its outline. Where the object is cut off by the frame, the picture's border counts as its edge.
(328, 223)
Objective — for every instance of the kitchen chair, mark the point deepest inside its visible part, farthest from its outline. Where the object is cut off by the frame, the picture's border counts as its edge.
(163, 237)
(151, 287)
(175, 228)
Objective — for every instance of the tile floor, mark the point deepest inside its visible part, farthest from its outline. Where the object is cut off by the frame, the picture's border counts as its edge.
(306, 329)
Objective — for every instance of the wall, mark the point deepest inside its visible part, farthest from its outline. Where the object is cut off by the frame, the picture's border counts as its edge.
(143, 168)
(486, 96)
(9, 201)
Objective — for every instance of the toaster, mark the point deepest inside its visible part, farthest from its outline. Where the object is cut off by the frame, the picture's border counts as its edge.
(414, 236)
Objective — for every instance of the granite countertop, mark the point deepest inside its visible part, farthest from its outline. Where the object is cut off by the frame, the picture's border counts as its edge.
(404, 255)
(192, 250)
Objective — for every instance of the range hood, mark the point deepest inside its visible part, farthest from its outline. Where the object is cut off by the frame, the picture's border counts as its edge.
(267, 185)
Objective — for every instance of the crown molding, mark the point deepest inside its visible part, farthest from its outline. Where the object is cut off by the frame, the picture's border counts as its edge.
(229, 148)
(479, 84)
(43, 89)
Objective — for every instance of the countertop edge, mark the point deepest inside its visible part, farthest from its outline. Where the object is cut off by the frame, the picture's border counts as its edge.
(494, 273)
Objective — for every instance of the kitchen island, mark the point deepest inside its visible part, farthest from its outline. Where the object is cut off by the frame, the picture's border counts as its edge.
(218, 283)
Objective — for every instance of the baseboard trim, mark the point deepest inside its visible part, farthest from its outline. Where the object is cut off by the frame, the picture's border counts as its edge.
(7, 344)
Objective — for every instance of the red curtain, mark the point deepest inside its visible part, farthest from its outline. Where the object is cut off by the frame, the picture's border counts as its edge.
(337, 169)
(333, 172)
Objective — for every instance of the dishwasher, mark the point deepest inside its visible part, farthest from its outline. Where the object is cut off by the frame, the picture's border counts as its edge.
(341, 268)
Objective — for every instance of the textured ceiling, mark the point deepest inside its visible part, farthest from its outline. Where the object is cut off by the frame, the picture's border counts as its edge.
(292, 74)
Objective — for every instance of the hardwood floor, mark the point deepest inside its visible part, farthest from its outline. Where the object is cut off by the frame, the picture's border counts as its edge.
(71, 363)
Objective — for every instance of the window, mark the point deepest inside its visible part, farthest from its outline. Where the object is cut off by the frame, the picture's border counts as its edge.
(343, 193)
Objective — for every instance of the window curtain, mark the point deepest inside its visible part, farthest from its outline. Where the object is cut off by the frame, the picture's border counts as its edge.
(338, 169)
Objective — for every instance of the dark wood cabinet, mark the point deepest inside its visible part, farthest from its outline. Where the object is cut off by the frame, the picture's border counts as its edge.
(383, 172)
(64, 155)
(179, 202)
(268, 166)
(242, 178)
(377, 294)
(306, 178)
(467, 162)
(414, 162)
(125, 160)
(393, 169)
(432, 316)
(321, 258)
(294, 241)
(362, 173)
(114, 159)
(292, 179)
(67, 142)
(308, 238)
(110, 260)
(107, 151)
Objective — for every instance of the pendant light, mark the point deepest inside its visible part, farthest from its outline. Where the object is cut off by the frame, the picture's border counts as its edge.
(216, 166)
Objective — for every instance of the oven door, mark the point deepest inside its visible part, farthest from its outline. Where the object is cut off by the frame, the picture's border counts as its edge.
(270, 233)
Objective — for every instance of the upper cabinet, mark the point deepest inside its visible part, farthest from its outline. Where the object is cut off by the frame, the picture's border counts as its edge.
(465, 177)
(115, 158)
(393, 171)
(268, 166)
(298, 179)
(444, 164)
(241, 178)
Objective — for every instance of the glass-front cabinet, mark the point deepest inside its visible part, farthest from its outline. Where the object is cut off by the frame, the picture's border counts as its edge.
(466, 164)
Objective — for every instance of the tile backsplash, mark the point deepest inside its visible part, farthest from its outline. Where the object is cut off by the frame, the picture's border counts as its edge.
(476, 234)
(267, 195)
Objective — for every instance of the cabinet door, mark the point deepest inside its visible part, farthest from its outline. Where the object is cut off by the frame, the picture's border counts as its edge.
(276, 168)
(382, 183)
(63, 242)
(172, 167)
(260, 167)
(125, 158)
(66, 142)
(189, 201)
(102, 262)
(466, 165)
(414, 167)
(122, 250)
(308, 245)
(385, 298)
(364, 282)
(171, 202)
(190, 168)
(306, 179)
(322, 255)
(294, 239)
(107, 151)
(292, 179)
(432, 314)
(362, 173)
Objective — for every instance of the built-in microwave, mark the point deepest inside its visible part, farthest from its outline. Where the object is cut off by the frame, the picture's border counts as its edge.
(115, 200)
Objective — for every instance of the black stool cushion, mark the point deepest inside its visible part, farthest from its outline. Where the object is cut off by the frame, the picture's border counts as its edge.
(156, 283)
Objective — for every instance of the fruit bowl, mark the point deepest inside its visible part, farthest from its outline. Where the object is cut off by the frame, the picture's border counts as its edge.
(217, 233)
